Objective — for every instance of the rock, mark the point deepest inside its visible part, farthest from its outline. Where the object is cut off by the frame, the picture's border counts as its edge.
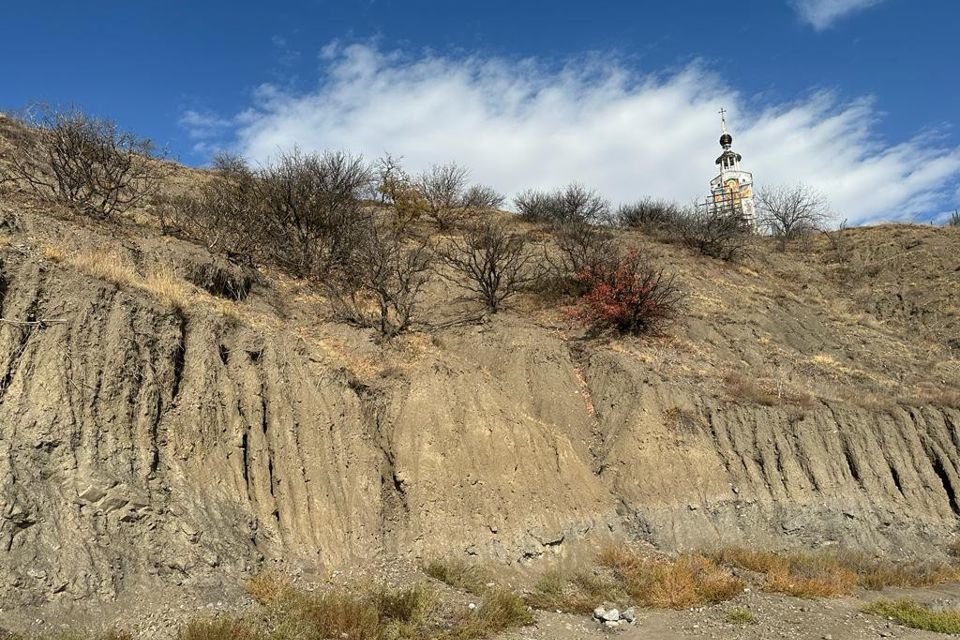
(599, 612)
(611, 616)
(611, 623)
(629, 615)
(472, 606)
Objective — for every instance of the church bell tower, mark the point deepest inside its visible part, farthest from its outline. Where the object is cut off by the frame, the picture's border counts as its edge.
(732, 189)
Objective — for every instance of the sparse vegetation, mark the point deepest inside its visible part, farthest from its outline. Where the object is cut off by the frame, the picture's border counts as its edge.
(771, 392)
(830, 574)
(739, 615)
(458, 574)
(574, 203)
(578, 592)
(86, 162)
(954, 219)
(447, 198)
(490, 262)
(381, 282)
(313, 215)
(370, 612)
(224, 213)
(686, 580)
(912, 614)
(628, 296)
(398, 189)
(791, 212)
(581, 248)
(712, 232)
(650, 214)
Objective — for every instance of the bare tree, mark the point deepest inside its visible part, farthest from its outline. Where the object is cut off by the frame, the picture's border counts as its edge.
(313, 214)
(791, 212)
(86, 162)
(447, 198)
(386, 274)
(490, 262)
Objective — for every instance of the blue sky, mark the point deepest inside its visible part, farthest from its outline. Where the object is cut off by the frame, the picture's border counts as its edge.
(857, 97)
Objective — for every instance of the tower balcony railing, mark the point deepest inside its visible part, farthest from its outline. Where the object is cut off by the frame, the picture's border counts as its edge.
(731, 205)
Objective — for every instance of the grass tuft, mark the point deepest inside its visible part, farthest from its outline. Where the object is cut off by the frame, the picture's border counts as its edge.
(912, 614)
(739, 615)
(225, 628)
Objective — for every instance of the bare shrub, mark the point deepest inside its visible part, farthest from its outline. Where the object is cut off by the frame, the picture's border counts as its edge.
(629, 296)
(224, 214)
(490, 262)
(86, 162)
(398, 189)
(574, 203)
(448, 198)
(382, 281)
(954, 220)
(713, 232)
(648, 213)
(581, 248)
(791, 212)
(313, 214)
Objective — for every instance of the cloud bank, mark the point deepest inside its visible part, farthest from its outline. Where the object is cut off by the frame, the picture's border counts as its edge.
(520, 124)
(821, 14)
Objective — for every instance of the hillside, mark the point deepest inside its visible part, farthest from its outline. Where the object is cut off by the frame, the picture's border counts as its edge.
(171, 419)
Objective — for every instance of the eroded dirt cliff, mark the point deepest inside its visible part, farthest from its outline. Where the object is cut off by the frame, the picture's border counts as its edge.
(146, 436)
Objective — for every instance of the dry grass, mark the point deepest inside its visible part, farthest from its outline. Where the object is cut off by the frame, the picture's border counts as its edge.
(500, 610)
(687, 580)
(458, 574)
(53, 253)
(168, 288)
(912, 614)
(572, 592)
(770, 393)
(225, 628)
(833, 574)
(161, 283)
(367, 612)
(104, 265)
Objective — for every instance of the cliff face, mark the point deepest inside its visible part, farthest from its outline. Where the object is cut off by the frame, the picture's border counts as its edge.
(143, 439)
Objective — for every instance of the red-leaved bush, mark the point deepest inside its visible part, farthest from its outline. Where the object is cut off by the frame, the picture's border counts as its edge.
(628, 296)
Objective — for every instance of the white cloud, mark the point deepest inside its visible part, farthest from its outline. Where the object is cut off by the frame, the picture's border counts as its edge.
(519, 124)
(821, 14)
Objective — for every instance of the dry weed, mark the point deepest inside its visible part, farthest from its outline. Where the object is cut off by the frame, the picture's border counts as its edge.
(831, 574)
(672, 583)
(912, 614)
(458, 574)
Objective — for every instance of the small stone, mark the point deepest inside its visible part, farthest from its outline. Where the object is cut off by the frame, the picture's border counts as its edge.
(611, 623)
(629, 615)
(611, 616)
(827, 637)
(471, 606)
(599, 612)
